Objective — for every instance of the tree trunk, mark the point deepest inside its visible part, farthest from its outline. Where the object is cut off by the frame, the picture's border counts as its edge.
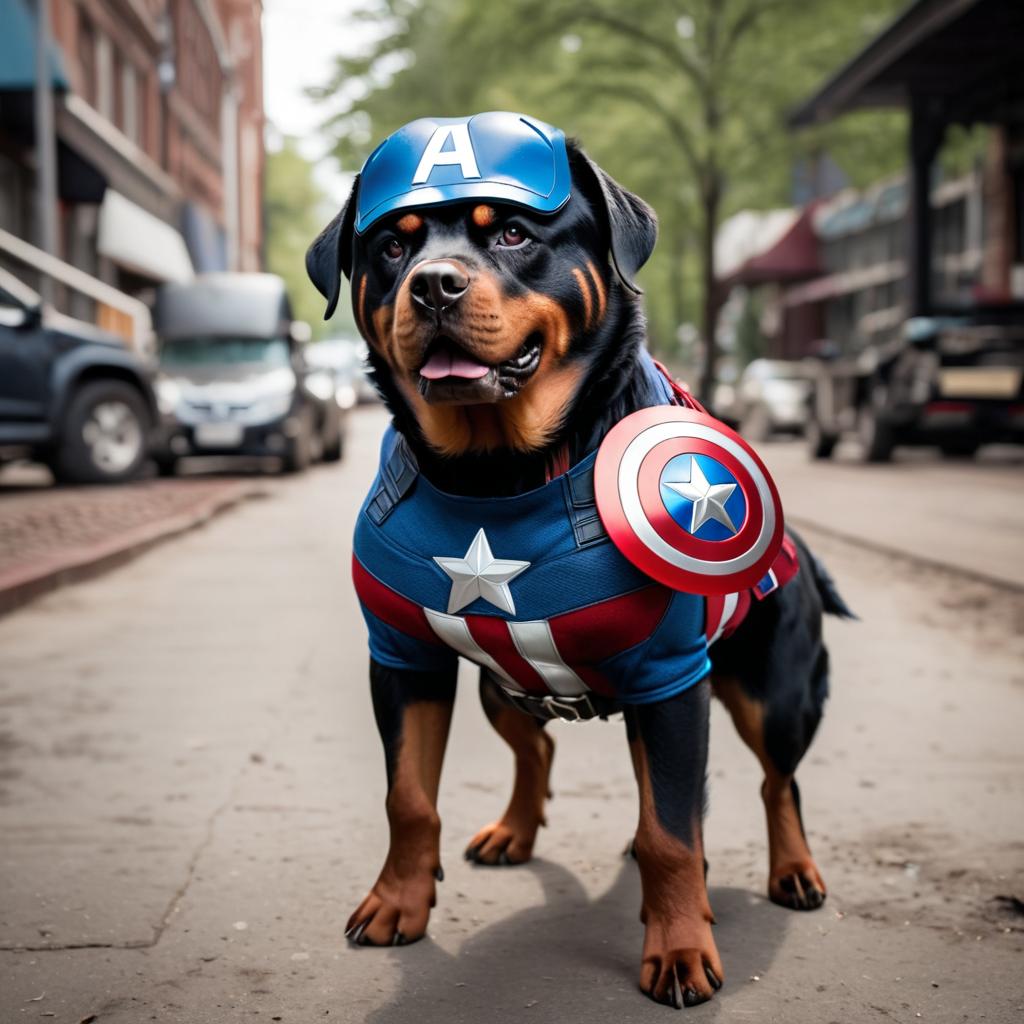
(710, 198)
(678, 278)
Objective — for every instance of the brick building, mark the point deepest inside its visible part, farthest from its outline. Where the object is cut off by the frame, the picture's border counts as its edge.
(159, 124)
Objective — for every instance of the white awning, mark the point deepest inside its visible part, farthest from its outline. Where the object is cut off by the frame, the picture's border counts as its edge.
(136, 240)
(748, 234)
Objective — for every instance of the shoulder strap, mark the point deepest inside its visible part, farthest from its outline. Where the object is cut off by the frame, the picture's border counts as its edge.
(587, 527)
(398, 472)
(681, 396)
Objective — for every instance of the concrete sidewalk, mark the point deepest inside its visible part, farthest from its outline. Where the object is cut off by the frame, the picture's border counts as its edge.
(191, 792)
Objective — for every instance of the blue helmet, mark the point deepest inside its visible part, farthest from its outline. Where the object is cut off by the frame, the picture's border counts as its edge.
(493, 156)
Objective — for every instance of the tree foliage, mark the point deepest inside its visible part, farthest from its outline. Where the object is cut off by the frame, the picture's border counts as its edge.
(684, 101)
(295, 209)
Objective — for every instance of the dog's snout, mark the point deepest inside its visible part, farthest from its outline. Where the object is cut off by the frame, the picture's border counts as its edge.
(439, 284)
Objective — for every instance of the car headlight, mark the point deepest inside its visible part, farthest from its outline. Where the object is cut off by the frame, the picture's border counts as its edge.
(345, 396)
(168, 395)
(320, 384)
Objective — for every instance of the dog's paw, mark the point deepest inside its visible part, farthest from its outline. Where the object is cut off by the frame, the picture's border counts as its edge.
(680, 966)
(797, 886)
(503, 842)
(394, 912)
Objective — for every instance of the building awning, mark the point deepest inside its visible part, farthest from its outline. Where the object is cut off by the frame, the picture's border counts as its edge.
(961, 54)
(747, 233)
(18, 50)
(136, 240)
(791, 255)
(761, 247)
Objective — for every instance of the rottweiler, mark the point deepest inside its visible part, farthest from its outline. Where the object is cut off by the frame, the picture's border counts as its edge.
(492, 268)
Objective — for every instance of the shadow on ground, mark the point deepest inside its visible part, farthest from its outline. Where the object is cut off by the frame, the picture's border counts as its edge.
(570, 959)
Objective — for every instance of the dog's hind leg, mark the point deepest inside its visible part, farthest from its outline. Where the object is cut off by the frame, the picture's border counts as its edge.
(793, 877)
(510, 839)
(668, 742)
(413, 712)
(772, 676)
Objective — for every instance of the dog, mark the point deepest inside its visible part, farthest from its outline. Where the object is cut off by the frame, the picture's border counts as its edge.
(492, 268)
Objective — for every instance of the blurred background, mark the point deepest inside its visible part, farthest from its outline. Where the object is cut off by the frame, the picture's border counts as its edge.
(839, 188)
(839, 274)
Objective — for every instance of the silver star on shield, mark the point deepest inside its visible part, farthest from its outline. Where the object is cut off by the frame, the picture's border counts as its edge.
(479, 574)
(708, 499)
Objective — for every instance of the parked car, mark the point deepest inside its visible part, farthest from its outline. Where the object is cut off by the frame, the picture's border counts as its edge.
(233, 379)
(346, 357)
(71, 395)
(956, 381)
(341, 359)
(770, 397)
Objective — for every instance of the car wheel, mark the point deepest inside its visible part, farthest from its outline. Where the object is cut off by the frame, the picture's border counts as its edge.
(875, 435)
(300, 449)
(820, 444)
(334, 449)
(103, 437)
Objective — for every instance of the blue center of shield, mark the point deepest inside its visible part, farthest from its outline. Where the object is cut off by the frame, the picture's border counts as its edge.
(703, 497)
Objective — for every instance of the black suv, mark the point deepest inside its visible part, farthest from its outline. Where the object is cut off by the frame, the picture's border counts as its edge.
(71, 395)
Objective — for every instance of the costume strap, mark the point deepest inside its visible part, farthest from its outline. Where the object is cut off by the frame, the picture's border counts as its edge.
(398, 472)
(680, 392)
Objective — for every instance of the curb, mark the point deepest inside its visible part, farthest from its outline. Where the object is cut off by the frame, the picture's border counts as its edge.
(23, 584)
(1013, 586)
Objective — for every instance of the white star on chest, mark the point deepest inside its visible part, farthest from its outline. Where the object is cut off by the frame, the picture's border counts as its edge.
(479, 574)
(708, 499)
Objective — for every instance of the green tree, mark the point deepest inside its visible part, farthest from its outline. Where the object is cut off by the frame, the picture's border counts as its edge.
(295, 209)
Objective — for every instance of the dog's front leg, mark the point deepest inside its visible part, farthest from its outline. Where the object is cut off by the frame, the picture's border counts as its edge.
(413, 712)
(668, 741)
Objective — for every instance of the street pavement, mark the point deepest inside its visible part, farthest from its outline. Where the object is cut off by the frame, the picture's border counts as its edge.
(191, 794)
(967, 513)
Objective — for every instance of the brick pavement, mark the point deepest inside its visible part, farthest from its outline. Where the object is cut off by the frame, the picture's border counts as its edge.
(52, 535)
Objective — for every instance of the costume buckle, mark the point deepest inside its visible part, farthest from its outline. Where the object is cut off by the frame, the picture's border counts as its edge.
(552, 706)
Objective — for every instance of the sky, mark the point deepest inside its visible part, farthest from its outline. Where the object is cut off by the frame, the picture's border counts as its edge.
(300, 38)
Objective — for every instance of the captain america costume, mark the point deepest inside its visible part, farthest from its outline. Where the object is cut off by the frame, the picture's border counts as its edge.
(531, 587)
(580, 586)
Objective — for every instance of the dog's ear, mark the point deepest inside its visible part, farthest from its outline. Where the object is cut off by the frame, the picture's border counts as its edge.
(330, 255)
(632, 224)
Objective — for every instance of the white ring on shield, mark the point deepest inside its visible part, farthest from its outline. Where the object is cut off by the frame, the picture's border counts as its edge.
(629, 494)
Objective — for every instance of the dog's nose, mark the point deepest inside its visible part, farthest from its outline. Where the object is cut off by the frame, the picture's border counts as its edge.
(438, 285)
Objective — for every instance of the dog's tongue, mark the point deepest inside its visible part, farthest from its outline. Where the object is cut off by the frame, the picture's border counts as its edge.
(448, 363)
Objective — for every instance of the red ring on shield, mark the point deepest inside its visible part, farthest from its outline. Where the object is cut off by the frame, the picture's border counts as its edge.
(627, 478)
(668, 529)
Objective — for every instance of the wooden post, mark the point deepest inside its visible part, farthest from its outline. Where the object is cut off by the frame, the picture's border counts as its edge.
(927, 128)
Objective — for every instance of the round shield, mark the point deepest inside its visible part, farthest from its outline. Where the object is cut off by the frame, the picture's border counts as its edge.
(688, 501)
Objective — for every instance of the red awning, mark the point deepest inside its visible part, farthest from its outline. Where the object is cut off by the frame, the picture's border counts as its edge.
(794, 257)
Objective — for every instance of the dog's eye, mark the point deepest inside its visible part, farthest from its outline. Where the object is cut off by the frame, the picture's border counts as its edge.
(513, 236)
(394, 249)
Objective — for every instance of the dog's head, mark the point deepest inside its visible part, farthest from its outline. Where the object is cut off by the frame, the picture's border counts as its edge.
(486, 256)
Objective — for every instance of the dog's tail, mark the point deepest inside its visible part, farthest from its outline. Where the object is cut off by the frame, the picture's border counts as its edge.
(831, 599)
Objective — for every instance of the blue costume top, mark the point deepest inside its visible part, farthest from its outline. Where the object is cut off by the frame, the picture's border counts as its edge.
(528, 586)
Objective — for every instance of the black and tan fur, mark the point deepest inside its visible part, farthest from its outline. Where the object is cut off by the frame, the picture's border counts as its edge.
(556, 314)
